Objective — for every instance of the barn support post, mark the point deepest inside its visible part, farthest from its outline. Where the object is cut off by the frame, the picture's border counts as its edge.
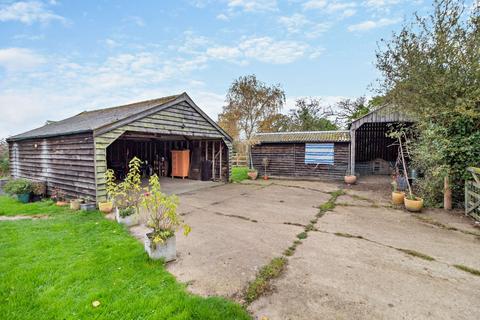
(352, 152)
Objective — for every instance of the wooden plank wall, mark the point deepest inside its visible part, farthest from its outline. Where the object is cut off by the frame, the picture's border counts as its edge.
(288, 160)
(180, 119)
(65, 162)
(372, 143)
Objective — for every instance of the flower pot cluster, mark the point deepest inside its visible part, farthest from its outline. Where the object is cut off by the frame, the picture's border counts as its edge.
(410, 201)
(127, 197)
(26, 190)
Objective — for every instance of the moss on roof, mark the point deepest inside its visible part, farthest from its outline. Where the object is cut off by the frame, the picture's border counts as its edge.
(303, 136)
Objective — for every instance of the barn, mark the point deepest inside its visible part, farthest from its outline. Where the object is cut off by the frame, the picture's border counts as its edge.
(73, 155)
(306, 154)
(365, 149)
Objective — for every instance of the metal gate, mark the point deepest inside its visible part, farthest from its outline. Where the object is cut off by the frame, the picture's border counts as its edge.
(472, 194)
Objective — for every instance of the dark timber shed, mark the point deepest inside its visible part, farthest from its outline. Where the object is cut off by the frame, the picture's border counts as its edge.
(74, 154)
(370, 144)
(306, 154)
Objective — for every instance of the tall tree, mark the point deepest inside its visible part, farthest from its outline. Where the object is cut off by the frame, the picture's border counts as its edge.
(309, 115)
(348, 110)
(251, 102)
(431, 69)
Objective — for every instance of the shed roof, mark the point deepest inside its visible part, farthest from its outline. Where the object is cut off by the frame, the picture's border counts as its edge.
(89, 121)
(303, 136)
(383, 114)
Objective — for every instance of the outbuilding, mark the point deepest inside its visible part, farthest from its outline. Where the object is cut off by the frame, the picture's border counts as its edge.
(306, 154)
(73, 155)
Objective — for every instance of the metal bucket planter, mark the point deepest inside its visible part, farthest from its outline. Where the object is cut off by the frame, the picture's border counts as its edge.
(87, 206)
(129, 221)
(23, 197)
(166, 250)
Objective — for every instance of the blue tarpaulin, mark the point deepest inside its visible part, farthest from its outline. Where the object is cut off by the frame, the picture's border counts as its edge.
(319, 153)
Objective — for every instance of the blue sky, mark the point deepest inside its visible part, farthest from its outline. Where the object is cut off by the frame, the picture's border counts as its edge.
(58, 58)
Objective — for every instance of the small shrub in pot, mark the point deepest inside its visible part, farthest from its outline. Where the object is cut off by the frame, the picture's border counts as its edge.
(164, 221)
(20, 188)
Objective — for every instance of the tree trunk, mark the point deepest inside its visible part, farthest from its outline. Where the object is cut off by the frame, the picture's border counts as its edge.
(447, 194)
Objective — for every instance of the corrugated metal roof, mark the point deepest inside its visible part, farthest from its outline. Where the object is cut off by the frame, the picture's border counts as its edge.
(303, 136)
(91, 120)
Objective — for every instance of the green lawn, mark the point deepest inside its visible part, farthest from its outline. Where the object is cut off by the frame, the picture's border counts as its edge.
(239, 174)
(55, 268)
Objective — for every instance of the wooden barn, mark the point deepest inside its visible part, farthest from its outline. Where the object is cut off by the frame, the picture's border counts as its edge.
(372, 151)
(73, 154)
(311, 154)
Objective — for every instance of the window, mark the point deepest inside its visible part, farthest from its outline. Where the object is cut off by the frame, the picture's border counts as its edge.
(319, 153)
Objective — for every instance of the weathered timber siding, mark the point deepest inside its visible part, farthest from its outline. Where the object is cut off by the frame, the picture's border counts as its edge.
(180, 119)
(64, 162)
(288, 160)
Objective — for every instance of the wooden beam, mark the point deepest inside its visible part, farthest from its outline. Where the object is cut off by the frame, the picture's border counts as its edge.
(352, 152)
(220, 160)
(213, 160)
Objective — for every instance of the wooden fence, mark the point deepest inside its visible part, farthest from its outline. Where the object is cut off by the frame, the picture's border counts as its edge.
(472, 194)
(240, 160)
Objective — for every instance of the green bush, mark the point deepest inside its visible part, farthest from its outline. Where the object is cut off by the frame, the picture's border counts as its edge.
(18, 186)
(239, 174)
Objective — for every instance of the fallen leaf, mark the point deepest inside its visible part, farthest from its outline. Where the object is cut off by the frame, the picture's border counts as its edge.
(95, 303)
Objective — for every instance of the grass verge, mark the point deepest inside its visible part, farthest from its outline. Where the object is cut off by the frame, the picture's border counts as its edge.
(56, 268)
(417, 254)
(261, 284)
(475, 272)
(239, 174)
(9, 206)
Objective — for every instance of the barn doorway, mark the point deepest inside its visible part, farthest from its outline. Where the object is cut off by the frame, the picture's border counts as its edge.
(170, 156)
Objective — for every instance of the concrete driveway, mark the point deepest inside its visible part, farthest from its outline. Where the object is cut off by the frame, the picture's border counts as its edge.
(363, 260)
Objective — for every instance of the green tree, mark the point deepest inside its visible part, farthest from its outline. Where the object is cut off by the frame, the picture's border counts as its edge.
(250, 103)
(309, 115)
(348, 110)
(431, 70)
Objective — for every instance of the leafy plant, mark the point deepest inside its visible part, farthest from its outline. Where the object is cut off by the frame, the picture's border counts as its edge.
(110, 184)
(4, 162)
(162, 213)
(58, 194)
(39, 188)
(18, 186)
(127, 193)
(125, 212)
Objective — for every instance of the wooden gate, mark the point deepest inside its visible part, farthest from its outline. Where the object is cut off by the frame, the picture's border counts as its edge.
(472, 194)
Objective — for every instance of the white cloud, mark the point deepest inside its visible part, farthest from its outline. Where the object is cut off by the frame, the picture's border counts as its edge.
(294, 23)
(370, 24)
(28, 13)
(266, 49)
(223, 17)
(223, 53)
(253, 5)
(380, 3)
(299, 23)
(18, 59)
(315, 4)
(111, 43)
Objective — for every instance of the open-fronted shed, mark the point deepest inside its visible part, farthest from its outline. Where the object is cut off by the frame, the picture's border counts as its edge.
(74, 154)
(372, 150)
(306, 154)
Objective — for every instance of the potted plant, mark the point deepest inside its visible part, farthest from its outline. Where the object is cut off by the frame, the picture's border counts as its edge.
(112, 191)
(75, 204)
(265, 163)
(413, 203)
(58, 196)
(87, 204)
(252, 174)
(39, 190)
(163, 220)
(397, 196)
(350, 179)
(21, 188)
(128, 194)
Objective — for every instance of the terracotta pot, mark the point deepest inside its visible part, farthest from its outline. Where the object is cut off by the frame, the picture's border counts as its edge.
(350, 179)
(105, 207)
(75, 204)
(61, 203)
(265, 177)
(397, 197)
(413, 205)
(253, 175)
